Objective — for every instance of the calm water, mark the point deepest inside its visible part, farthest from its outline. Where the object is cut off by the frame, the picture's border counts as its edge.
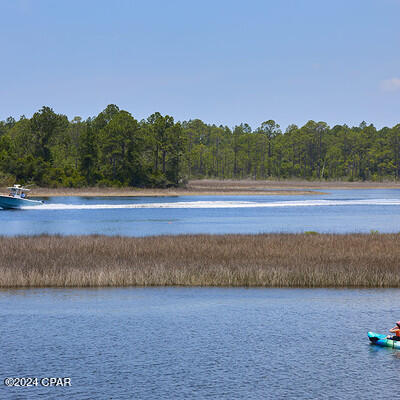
(179, 343)
(339, 211)
(175, 343)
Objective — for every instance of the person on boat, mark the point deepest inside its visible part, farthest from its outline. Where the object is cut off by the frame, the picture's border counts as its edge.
(396, 331)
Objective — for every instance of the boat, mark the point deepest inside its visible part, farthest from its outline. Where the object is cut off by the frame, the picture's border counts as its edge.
(380, 340)
(17, 198)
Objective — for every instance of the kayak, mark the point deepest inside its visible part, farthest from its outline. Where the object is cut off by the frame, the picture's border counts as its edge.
(380, 340)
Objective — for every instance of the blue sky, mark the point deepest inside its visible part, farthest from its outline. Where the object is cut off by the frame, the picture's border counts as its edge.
(225, 62)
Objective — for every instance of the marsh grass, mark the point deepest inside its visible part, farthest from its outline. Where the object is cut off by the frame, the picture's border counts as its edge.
(287, 184)
(266, 260)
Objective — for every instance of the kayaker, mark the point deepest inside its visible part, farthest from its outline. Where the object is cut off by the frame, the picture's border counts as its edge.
(396, 331)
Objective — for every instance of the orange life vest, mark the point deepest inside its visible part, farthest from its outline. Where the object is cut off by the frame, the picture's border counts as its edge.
(397, 332)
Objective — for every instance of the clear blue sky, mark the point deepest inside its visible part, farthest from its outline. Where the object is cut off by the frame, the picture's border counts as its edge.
(225, 62)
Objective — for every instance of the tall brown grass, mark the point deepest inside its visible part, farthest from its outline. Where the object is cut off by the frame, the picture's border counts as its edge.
(269, 260)
(270, 184)
(203, 189)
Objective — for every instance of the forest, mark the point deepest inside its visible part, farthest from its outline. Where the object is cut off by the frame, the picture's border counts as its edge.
(115, 149)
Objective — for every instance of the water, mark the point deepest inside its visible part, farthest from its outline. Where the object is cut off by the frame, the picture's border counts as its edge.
(339, 211)
(179, 343)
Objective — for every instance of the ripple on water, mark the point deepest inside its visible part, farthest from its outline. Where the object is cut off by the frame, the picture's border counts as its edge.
(200, 343)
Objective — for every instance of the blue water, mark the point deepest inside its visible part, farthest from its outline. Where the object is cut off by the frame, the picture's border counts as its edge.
(199, 343)
(339, 211)
(205, 343)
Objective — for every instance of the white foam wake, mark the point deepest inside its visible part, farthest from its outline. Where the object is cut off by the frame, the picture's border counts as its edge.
(219, 204)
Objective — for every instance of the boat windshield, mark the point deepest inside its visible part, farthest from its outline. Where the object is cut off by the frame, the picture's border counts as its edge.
(18, 191)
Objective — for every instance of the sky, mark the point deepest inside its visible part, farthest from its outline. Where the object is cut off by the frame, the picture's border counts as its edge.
(225, 62)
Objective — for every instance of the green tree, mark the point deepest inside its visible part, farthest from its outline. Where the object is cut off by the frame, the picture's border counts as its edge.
(46, 125)
(120, 146)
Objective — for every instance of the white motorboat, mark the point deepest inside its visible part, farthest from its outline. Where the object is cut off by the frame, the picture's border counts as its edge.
(17, 198)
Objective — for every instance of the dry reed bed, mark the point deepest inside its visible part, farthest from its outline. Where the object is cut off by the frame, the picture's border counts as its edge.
(288, 184)
(267, 260)
(188, 191)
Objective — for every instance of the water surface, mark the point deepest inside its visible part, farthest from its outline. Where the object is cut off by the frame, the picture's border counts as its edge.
(339, 211)
(202, 343)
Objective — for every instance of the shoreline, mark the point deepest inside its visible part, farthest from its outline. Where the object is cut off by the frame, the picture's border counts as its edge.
(293, 184)
(306, 260)
(209, 187)
(94, 192)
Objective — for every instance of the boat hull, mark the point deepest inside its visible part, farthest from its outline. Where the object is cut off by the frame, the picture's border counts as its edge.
(9, 202)
(380, 340)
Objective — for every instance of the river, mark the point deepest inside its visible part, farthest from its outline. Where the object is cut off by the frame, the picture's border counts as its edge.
(179, 343)
(339, 211)
(218, 343)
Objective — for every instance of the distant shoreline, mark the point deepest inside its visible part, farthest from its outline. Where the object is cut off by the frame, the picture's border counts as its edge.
(132, 192)
(209, 187)
(264, 260)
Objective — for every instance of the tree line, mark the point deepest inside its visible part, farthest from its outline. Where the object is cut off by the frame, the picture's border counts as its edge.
(114, 149)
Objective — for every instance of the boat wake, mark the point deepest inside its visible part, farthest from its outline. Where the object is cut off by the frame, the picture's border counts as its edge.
(219, 204)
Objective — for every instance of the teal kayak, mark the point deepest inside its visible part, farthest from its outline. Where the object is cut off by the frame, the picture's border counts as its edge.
(380, 340)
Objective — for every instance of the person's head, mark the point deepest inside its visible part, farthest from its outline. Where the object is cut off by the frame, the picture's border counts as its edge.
(398, 324)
